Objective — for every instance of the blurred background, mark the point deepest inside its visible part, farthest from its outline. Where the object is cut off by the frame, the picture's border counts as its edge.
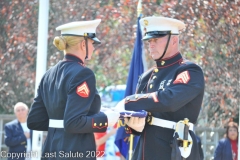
(211, 39)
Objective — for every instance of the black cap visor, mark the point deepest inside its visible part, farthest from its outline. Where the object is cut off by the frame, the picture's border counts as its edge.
(89, 35)
(96, 40)
(155, 34)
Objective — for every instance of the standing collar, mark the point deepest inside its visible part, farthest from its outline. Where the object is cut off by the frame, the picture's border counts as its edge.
(71, 57)
(169, 61)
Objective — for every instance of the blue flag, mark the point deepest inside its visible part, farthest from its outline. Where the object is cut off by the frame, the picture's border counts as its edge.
(136, 69)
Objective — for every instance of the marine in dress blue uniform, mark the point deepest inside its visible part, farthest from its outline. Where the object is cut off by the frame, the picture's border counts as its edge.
(171, 91)
(67, 104)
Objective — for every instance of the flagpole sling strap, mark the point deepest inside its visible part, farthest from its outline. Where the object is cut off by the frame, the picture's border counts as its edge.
(54, 123)
(165, 123)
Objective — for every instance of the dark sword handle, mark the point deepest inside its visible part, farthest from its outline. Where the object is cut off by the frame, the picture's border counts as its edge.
(186, 129)
(185, 135)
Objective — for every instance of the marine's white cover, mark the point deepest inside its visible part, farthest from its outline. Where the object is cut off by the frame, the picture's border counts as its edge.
(79, 27)
(162, 24)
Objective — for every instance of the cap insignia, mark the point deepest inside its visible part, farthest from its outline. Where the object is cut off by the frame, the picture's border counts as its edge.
(162, 63)
(145, 22)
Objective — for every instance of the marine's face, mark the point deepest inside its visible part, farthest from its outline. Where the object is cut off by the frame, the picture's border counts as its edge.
(157, 46)
(232, 133)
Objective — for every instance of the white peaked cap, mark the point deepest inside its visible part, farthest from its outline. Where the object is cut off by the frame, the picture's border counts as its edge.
(79, 27)
(162, 24)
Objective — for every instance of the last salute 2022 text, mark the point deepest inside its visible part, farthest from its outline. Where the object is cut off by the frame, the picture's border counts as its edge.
(70, 154)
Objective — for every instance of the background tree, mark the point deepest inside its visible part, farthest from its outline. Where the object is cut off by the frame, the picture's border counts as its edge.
(211, 39)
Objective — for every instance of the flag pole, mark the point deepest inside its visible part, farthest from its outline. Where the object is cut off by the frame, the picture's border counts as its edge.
(130, 151)
(40, 67)
(139, 8)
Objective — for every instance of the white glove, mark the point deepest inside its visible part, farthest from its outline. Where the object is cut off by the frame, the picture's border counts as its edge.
(112, 117)
(135, 123)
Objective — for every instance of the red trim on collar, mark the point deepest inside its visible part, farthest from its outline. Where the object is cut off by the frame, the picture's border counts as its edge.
(74, 56)
(169, 57)
(171, 64)
(69, 54)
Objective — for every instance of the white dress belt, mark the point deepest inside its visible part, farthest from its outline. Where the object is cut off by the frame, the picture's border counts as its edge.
(167, 124)
(54, 123)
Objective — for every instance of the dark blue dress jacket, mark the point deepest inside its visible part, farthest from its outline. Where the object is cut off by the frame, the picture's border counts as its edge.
(173, 90)
(15, 139)
(68, 92)
(223, 150)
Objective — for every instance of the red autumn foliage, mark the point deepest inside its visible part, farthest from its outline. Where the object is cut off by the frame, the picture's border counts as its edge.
(211, 39)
